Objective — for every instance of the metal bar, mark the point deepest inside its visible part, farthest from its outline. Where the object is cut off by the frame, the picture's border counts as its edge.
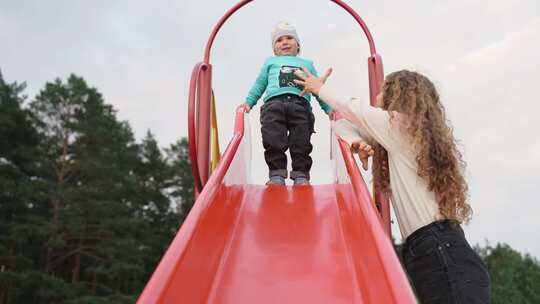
(192, 134)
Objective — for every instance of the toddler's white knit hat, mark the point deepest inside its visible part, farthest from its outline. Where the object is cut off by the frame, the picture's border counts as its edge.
(284, 29)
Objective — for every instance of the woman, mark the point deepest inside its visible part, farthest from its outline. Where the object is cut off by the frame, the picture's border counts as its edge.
(422, 174)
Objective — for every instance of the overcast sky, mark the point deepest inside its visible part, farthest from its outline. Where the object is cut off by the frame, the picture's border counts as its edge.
(482, 55)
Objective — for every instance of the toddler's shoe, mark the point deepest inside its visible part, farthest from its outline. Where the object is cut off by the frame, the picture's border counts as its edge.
(301, 181)
(276, 180)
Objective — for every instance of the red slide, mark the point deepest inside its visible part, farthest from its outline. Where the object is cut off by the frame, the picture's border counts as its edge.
(245, 243)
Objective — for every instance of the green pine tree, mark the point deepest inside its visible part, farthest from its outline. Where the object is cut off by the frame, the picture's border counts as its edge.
(86, 213)
(21, 220)
(178, 157)
(89, 158)
(515, 278)
(161, 216)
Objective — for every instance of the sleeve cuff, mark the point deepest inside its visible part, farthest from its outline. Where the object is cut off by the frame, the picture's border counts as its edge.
(323, 92)
(346, 131)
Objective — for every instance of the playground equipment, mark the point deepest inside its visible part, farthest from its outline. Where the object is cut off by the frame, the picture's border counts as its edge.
(245, 243)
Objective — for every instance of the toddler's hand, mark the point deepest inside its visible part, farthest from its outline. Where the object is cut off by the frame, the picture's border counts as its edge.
(331, 115)
(246, 107)
(364, 152)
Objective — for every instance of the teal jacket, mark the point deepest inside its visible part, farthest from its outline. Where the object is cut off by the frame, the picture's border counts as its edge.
(276, 78)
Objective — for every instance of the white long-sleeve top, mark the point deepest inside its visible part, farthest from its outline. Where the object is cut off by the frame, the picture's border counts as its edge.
(415, 206)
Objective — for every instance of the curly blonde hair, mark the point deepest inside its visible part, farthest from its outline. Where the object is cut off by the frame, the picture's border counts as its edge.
(439, 161)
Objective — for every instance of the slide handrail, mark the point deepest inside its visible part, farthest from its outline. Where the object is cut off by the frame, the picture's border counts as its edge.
(401, 291)
(161, 277)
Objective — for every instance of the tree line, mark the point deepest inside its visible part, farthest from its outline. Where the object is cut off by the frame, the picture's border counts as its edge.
(86, 211)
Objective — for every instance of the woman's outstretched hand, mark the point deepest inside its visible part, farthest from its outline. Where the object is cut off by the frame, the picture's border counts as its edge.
(364, 150)
(311, 83)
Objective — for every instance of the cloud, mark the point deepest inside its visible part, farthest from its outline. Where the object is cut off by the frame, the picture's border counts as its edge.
(495, 110)
(483, 59)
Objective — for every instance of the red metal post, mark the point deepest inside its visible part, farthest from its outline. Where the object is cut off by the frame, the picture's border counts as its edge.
(192, 130)
(376, 78)
(204, 95)
(203, 122)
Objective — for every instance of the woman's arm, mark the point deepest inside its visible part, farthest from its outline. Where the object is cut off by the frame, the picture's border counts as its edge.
(356, 140)
(348, 132)
(373, 122)
(321, 102)
(314, 84)
(343, 106)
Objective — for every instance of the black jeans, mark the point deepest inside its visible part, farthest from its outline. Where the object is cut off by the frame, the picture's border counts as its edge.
(443, 267)
(287, 123)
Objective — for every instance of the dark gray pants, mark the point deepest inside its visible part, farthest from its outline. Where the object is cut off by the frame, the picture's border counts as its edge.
(287, 123)
(443, 266)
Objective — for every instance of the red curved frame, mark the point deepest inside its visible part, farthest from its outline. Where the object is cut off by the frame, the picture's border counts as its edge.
(201, 86)
(195, 76)
(235, 8)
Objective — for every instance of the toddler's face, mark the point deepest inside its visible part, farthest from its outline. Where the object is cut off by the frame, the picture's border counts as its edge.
(286, 45)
